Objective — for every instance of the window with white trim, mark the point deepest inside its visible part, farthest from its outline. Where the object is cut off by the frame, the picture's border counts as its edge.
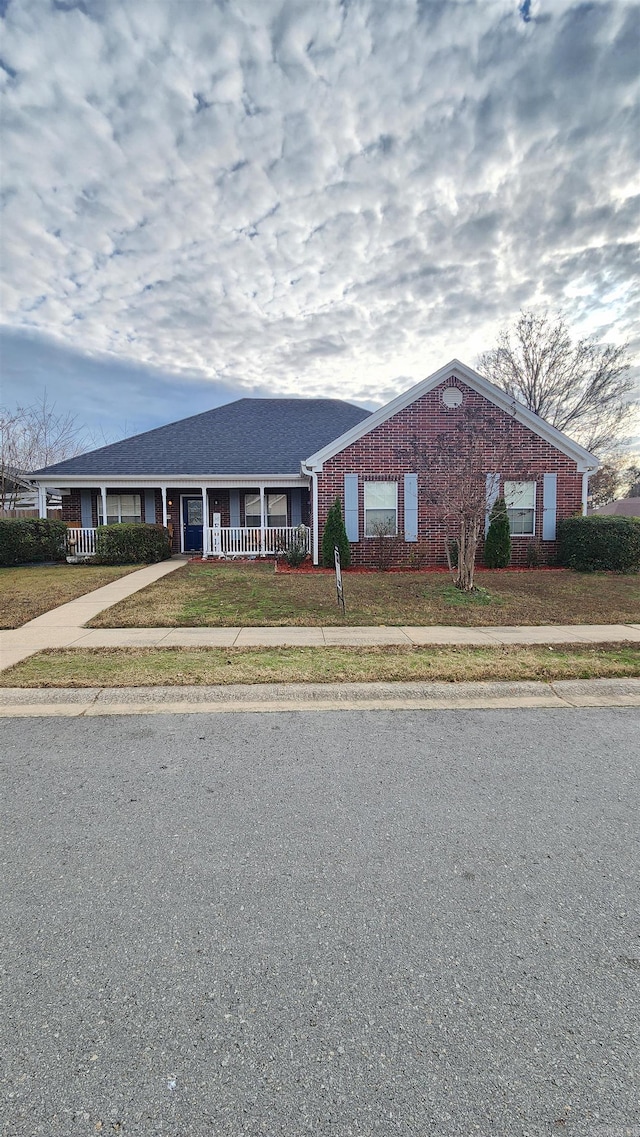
(520, 499)
(252, 518)
(121, 508)
(380, 509)
(276, 510)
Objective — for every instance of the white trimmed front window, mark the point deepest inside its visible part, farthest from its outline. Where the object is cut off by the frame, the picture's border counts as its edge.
(520, 499)
(121, 507)
(380, 509)
(275, 508)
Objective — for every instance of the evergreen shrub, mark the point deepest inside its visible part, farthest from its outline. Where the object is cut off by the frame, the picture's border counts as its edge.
(131, 544)
(600, 543)
(26, 539)
(497, 545)
(335, 534)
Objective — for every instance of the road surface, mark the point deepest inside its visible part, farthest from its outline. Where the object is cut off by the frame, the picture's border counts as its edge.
(357, 923)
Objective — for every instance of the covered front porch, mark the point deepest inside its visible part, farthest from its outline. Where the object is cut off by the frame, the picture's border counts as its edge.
(212, 520)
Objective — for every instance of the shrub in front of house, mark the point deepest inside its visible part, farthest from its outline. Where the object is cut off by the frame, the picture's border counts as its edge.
(335, 534)
(295, 551)
(384, 542)
(27, 539)
(497, 545)
(600, 543)
(132, 544)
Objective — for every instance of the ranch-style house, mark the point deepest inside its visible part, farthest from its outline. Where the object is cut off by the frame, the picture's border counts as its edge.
(239, 480)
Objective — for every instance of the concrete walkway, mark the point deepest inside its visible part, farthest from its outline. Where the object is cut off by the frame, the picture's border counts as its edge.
(64, 627)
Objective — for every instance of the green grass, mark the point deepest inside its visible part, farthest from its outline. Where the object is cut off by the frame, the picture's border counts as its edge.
(133, 667)
(28, 591)
(479, 596)
(228, 595)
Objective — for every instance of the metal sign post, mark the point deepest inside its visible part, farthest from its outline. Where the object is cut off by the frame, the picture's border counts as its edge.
(339, 588)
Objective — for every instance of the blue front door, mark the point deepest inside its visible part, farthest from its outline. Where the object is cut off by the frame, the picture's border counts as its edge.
(192, 524)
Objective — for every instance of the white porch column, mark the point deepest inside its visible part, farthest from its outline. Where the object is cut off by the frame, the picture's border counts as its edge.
(165, 515)
(205, 524)
(103, 494)
(262, 521)
(42, 501)
(314, 517)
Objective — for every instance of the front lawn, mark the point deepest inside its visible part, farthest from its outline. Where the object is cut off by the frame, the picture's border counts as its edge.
(149, 667)
(27, 592)
(228, 595)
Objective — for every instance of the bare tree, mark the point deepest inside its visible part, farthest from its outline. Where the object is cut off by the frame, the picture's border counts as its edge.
(32, 437)
(583, 388)
(605, 484)
(454, 472)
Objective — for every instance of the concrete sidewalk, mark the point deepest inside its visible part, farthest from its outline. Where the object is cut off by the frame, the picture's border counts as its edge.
(64, 627)
(61, 626)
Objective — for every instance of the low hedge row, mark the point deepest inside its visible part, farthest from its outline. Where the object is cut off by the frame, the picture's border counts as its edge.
(600, 543)
(133, 544)
(26, 539)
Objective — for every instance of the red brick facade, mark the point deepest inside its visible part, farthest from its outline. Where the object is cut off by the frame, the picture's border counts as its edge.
(385, 454)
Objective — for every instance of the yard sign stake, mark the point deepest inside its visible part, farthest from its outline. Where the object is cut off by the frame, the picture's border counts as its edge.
(339, 588)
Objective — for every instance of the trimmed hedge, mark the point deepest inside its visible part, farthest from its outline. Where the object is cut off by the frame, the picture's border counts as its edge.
(26, 539)
(131, 544)
(600, 543)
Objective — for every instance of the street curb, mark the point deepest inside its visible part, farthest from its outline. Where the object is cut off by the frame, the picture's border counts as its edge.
(264, 698)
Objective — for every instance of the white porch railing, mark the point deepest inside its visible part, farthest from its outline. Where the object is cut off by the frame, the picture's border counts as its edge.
(81, 542)
(237, 541)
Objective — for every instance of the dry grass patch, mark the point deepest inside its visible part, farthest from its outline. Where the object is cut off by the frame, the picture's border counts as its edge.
(145, 667)
(227, 595)
(27, 592)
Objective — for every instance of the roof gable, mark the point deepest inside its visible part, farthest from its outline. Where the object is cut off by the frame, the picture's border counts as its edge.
(477, 382)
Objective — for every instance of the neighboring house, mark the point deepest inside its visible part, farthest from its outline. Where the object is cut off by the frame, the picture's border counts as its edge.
(237, 480)
(19, 496)
(623, 507)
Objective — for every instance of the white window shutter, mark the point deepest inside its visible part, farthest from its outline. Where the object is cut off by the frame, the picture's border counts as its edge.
(351, 507)
(150, 507)
(411, 507)
(86, 512)
(549, 506)
(492, 494)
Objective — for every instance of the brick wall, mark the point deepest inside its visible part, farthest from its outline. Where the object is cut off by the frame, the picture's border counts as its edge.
(71, 510)
(385, 454)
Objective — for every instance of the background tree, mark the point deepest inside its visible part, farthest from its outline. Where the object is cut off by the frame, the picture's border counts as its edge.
(583, 388)
(497, 545)
(35, 436)
(632, 479)
(605, 484)
(335, 534)
(454, 473)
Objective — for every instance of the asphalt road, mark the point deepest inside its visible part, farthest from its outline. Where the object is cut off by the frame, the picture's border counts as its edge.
(416, 923)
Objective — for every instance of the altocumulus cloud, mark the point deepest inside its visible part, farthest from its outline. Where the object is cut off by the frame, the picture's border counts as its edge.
(315, 196)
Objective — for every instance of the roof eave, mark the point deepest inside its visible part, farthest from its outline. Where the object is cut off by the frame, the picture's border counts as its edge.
(89, 480)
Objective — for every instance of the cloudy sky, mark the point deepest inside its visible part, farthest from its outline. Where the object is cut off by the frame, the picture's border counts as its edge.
(210, 198)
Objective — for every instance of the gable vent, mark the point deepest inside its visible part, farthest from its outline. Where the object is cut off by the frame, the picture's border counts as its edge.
(452, 397)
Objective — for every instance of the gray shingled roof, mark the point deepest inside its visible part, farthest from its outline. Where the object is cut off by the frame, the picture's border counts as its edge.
(250, 436)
